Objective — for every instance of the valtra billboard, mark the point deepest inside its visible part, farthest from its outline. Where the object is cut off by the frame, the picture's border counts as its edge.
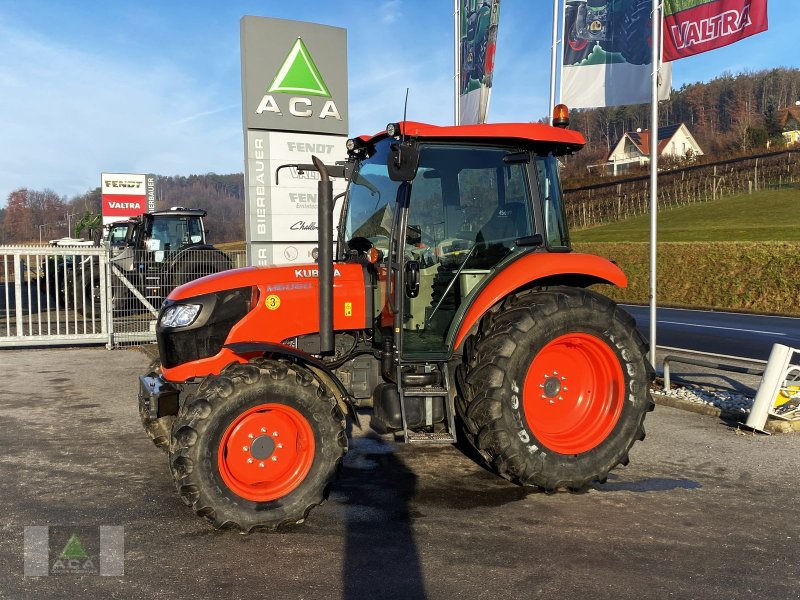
(124, 195)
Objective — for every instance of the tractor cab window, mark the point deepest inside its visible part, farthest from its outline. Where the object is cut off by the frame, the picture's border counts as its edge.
(371, 201)
(555, 218)
(467, 209)
(117, 234)
(169, 234)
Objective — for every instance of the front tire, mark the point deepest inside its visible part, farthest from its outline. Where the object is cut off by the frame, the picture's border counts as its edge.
(257, 446)
(554, 388)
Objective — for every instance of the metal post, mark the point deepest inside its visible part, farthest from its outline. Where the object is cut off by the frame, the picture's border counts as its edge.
(456, 62)
(655, 58)
(774, 374)
(553, 61)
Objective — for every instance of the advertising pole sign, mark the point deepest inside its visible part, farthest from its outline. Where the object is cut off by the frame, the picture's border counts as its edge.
(607, 54)
(123, 195)
(294, 105)
(477, 24)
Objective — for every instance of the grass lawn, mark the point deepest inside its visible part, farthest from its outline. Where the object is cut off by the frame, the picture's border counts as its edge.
(770, 215)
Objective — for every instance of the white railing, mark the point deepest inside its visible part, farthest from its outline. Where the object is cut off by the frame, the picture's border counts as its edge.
(78, 295)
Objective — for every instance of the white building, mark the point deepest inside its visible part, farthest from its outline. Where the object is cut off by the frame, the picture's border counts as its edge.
(633, 149)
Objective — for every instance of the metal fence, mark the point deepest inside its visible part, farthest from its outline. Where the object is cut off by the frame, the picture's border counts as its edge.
(85, 295)
(138, 287)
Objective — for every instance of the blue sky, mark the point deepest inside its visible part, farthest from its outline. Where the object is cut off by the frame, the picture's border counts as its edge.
(154, 86)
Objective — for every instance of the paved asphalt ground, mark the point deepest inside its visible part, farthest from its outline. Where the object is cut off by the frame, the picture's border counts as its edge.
(737, 334)
(701, 512)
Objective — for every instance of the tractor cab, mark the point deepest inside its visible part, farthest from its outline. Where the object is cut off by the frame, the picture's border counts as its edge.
(168, 231)
(468, 210)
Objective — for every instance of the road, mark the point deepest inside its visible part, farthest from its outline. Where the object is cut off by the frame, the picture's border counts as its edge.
(701, 512)
(731, 334)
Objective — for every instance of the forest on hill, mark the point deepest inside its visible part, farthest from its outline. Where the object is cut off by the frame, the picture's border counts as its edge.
(731, 115)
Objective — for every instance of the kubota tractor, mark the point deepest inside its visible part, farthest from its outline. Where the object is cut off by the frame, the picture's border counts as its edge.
(453, 305)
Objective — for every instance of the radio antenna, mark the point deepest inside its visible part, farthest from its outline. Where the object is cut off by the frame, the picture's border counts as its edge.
(405, 112)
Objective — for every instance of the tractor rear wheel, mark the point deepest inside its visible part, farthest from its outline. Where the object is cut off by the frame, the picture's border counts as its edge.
(554, 388)
(257, 446)
(157, 429)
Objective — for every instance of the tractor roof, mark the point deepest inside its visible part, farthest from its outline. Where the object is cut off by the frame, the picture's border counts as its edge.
(179, 211)
(528, 135)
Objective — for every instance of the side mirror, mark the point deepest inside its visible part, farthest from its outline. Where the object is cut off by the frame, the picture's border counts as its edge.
(403, 161)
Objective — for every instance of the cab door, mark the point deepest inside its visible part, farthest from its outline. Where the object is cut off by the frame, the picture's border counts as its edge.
(468, 206)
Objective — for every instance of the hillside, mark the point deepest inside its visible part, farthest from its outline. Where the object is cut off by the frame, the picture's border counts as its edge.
(729, 115)
(770, 215)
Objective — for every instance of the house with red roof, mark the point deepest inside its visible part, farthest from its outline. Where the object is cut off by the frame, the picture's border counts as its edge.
(789, 120)
(633, 148)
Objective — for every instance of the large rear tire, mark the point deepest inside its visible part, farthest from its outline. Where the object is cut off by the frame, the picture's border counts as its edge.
(635, 44)
(554, 388)
(257, 446)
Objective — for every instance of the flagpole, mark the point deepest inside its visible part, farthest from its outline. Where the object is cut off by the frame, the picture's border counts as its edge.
(655, 58)
(553, 59)
(456, 61)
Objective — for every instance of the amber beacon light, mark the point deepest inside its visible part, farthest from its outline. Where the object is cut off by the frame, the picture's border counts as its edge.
(560, 115)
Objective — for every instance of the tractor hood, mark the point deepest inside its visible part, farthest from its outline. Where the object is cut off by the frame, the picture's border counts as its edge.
(284, 304)
(291, 281)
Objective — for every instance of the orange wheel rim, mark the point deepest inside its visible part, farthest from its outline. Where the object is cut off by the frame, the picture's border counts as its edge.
(266, 452)
(574, 393)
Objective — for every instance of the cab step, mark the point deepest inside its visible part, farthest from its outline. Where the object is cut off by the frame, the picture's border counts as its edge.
(438, 437)
(430, 391)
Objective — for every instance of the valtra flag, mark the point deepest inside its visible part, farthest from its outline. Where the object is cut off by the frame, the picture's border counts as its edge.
(123, 195)
(695, 26)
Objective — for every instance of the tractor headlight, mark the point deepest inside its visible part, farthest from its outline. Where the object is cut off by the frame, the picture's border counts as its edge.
(180, 315)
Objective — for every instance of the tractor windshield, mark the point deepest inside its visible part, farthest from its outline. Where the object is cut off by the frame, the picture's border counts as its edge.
(371, 200)
(170, 233)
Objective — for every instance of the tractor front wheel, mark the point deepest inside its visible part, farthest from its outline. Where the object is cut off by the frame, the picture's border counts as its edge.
(257, 446)
(554, 388)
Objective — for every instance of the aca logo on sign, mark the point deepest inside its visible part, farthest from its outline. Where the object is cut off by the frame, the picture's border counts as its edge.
(299, 76)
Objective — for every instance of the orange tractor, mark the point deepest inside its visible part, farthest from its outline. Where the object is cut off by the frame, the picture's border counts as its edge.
(451, 305)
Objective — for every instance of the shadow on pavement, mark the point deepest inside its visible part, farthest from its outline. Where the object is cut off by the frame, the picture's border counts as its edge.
(381, 557)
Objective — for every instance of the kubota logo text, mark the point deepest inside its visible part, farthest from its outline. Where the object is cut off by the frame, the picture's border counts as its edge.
(299, 75)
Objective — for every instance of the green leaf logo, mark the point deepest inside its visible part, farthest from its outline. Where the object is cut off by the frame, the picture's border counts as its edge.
(299, 74)
(73, 549)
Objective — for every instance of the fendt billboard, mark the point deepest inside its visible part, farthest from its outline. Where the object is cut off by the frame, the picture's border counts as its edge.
(123, 195)
(294, 105)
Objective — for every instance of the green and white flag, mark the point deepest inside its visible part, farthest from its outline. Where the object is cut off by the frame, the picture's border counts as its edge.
(607, 54)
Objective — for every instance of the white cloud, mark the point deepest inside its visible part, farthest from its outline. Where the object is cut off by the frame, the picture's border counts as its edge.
(67, 115)
(390, 10)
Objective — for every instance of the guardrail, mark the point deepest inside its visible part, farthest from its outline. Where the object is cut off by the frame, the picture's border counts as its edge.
(670, 358)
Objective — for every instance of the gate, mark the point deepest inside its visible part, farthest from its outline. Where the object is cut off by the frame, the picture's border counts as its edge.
(53, 296)
(80, 295)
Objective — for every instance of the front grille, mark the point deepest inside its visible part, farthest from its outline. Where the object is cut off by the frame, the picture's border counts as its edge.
(206, 336)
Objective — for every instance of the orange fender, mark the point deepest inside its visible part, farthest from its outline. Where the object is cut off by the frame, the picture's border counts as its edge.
(545, 269)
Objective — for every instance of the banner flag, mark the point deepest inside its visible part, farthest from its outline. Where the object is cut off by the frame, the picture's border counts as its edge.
(607, 54)
(478, 40)
(695, 26)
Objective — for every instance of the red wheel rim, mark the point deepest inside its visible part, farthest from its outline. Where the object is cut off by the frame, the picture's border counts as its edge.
(574, 392)
(266, 452)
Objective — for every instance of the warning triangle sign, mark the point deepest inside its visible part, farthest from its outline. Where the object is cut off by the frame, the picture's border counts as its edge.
(299, 74)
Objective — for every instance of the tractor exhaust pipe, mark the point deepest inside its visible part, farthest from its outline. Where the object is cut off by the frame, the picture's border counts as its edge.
(325, 257)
